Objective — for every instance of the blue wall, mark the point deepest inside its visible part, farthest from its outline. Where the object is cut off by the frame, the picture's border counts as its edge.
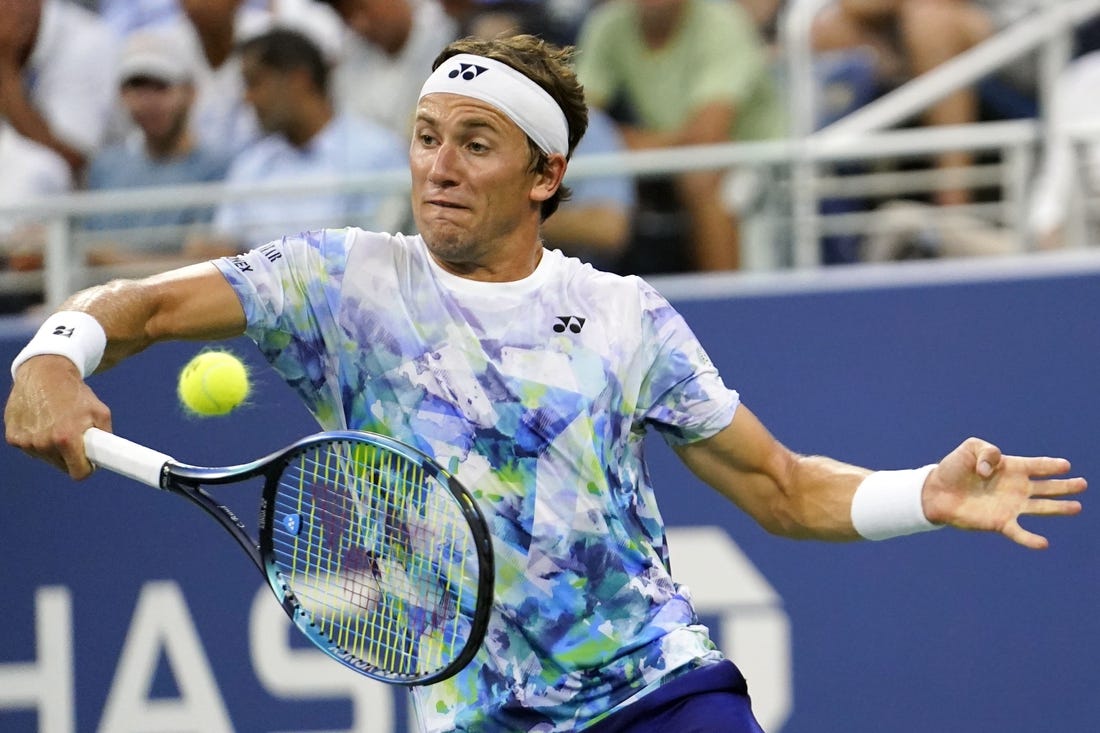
(940, 632)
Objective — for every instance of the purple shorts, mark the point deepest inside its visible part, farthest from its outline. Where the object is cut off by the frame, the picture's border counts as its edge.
(711, 699)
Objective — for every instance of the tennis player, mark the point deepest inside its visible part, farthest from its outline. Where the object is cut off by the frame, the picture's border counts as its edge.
(538, 376)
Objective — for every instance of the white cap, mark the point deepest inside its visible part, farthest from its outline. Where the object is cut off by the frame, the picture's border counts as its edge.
(158, 55)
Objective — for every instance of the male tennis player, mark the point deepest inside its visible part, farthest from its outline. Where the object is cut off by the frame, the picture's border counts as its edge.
(538, 375)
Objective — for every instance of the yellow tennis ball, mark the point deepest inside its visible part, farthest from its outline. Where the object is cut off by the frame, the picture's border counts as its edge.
(213, 383)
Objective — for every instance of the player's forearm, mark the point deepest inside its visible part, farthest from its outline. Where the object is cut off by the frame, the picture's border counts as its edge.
(811, 499)
(816, 503)
(788, 494)
(193, 302)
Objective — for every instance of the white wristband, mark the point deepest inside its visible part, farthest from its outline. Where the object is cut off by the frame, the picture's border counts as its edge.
(73, 334)
(888, 504)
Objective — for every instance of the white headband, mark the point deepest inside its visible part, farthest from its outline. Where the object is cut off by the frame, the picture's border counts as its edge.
(522, 100)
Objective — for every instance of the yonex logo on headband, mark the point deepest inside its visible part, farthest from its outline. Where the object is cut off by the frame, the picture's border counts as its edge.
(469, 72)
(521, 99)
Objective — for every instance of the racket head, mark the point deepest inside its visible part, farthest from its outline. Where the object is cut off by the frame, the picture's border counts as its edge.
(379, 555)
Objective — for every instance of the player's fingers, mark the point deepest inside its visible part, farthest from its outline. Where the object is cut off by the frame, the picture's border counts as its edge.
(72, 453)
(1052, 507)
(1058, 487)
(1021, 536)
(1044, 465)
(101, 420)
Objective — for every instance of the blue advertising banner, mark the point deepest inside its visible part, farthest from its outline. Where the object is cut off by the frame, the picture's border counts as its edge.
(128, 610)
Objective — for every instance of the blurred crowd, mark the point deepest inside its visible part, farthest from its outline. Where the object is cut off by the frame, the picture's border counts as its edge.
(104, 95)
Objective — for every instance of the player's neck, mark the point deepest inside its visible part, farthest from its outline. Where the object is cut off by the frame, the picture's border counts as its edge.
(502, 265)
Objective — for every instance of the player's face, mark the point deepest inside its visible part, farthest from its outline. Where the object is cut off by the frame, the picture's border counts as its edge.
(475, 196)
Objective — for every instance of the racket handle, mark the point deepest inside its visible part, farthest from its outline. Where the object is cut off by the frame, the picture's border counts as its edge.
(124, 457)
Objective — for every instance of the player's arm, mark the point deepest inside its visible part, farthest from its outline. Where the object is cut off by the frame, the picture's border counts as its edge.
(192, 303)
(50, 406)
(974, 487)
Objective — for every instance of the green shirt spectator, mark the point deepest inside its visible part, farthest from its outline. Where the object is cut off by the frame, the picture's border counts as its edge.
(716, 55)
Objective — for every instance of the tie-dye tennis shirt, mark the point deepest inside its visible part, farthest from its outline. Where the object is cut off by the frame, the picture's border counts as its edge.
(540, 390)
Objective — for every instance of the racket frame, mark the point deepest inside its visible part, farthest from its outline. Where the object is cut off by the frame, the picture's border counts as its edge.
(138, 462)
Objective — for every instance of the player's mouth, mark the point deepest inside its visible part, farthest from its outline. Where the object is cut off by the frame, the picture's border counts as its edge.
(443, 203)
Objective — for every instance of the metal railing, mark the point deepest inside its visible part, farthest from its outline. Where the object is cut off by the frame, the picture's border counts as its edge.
(1048, 28)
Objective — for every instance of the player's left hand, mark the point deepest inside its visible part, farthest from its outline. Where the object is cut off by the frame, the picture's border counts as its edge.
(977, 487)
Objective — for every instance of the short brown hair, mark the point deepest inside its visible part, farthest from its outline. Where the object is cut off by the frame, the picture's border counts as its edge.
(549, 66)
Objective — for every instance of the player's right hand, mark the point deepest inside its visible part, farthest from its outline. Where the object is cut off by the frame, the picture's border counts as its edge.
(48, 410)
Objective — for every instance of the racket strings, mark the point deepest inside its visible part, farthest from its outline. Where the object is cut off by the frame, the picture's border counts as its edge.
(378, 553)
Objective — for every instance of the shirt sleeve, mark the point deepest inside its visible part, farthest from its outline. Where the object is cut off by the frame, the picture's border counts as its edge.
(289, 290)
(683, 396)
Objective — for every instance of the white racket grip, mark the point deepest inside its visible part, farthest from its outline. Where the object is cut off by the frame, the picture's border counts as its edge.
(124, 457)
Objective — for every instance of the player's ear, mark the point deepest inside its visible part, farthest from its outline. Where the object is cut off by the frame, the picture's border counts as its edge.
(548, 178)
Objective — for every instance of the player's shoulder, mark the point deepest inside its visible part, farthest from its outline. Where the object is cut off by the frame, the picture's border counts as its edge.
(342, 240)
(623, 289)
(378, 249)
(371, 237)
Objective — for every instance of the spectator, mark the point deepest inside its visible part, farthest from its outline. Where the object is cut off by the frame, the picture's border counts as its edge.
(389, 47)
(57, 70)
(1067, 168)
(490, 19)
(156, 86)
(221, 116)
(909, 38)
(766, 15)
(128, 16)
(690, 72)
(286, 83)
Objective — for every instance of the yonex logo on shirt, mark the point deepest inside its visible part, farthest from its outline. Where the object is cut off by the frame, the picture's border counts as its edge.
(469, 72)
(573, 323)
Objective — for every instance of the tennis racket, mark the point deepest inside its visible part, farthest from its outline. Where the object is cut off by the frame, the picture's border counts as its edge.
(380, 556)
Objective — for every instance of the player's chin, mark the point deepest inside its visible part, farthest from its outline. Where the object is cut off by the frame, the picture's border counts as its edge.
(445, 238)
